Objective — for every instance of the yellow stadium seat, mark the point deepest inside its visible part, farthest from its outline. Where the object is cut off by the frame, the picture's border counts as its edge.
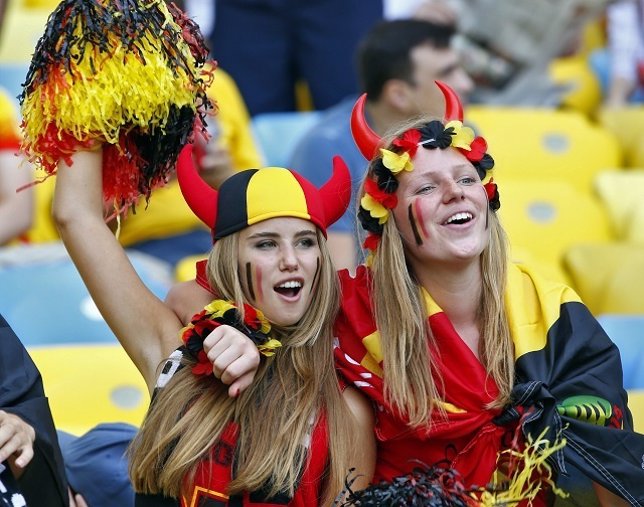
(609, 277)
(90, 384)
(185, 269)
(635, 233)
(636, 404)
(622, 194)
(545, 144)
(585, 92)
(546, 218)
(43, 229)
(627, 124)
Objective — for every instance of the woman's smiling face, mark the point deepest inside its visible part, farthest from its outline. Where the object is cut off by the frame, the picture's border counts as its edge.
(442, 209)
(279, 262)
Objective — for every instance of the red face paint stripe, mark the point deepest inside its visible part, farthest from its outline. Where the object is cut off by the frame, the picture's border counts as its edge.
(419, 218)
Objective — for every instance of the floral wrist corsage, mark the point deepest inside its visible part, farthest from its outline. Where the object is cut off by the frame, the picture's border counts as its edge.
(220, 312)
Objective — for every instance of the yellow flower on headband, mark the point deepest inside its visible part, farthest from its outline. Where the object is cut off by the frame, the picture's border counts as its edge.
(396, 162)
(376, 210)
(463, 136)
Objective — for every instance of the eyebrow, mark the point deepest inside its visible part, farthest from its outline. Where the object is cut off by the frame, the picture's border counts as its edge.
(267, 234)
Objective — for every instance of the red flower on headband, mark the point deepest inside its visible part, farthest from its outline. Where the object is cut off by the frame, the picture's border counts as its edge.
(408, 141)
(490, 189)
(478, 147)
(389, 201)
(371, 242)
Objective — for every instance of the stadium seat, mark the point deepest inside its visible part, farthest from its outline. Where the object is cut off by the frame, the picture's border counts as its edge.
(609, 277)
(627, 124)
(277, 134)
(185, 269)
(545, 144)
(622, 193)
(627, 332)
(12, 75)
(46, 302)
(545, 218)
(584, 94)
(89, 384)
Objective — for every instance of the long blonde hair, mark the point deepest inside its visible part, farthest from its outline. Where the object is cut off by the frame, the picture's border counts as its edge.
(274, 414)
(408, 367)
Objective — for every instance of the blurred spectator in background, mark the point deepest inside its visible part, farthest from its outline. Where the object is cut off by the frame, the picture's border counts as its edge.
(398, 62)
(268, 46)
(507, 45)
(30, 458)
(16, 208)
(620, 66)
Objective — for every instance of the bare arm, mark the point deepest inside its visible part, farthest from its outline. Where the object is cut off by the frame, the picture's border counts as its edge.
(145, 326)
(365, 459)
(342, 246)
(16, 209)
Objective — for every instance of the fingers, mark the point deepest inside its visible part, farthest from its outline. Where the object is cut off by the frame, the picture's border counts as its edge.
(233, 355)
(75, 499)
(16, 440)
(240, 385)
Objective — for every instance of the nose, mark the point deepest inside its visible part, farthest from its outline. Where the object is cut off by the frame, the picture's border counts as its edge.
(288, 259)
(453, 191)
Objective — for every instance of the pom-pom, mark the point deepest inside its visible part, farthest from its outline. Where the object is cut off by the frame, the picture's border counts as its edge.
(128, 74)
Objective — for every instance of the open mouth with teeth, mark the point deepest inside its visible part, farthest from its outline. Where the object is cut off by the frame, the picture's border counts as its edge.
(459, 218)
(289, 289)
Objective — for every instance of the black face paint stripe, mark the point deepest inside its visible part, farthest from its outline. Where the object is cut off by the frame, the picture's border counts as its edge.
(414, 228)
(315, 276)
(249, 281)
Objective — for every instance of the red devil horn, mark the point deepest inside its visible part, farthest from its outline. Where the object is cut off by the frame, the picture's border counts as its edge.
(200, 196)
(453, 106)
(365, 138)
(335, 194)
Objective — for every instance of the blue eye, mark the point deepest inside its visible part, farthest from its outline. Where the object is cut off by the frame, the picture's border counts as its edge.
(265, 245)
(307, 242)
(468, 180)
(424, 190)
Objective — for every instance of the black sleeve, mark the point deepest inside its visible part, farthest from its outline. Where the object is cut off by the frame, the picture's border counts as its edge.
(43, 482)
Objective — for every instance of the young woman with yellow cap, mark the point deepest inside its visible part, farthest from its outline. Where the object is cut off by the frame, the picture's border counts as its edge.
(292, 437)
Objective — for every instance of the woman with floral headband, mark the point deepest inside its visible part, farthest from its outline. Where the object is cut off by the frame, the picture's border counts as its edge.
(473, 363)
(290, 439)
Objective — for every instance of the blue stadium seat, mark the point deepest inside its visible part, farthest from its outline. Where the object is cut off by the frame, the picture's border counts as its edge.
(627, 332)
(277, 134)
(12, 75)
(45, 300)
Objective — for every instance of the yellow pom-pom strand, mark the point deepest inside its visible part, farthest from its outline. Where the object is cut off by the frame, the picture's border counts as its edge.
(128, 74)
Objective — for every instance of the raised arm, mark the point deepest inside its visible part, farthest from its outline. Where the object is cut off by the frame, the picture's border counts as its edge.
(145, 326)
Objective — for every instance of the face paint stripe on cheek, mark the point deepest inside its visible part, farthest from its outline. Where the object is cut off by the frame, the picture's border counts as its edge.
(249, 281)
(419, 218)
(315, 275)
(412, 222)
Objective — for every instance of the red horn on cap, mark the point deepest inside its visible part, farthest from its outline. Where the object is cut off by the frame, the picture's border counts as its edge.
(200, 196)
(453, 106)
(335, 194)
(365, 138)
